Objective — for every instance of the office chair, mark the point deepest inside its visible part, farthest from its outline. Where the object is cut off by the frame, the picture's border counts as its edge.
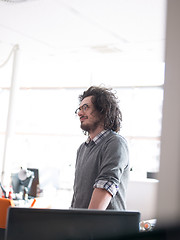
(5, 203)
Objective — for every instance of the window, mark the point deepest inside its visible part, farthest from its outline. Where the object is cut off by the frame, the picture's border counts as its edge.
(47, 132)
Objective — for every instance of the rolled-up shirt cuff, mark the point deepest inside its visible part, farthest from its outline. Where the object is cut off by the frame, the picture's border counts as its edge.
(107, 185)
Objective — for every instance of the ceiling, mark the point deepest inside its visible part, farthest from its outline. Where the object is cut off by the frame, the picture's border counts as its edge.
(131, 29)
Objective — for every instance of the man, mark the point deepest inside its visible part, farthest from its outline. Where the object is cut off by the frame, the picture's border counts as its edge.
(102, 164)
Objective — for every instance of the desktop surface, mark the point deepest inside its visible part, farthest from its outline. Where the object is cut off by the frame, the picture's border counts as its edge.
(52, 224)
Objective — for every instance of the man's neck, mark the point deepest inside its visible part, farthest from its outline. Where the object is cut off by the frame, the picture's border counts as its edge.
(95, 132)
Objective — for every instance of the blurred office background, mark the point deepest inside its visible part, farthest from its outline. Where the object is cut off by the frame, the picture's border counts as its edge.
(50, 52)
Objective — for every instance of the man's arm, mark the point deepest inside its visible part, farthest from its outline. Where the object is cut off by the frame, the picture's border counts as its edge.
(100, 199)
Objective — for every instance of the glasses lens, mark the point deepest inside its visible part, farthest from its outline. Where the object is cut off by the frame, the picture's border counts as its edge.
(84, 108)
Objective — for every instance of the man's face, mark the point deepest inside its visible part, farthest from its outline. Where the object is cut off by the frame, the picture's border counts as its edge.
(89, 117)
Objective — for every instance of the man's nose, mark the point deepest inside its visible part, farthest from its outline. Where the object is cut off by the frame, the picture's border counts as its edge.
(80, 113)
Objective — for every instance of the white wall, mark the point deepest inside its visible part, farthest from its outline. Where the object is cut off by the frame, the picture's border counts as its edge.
(142, 196)
(168, 205)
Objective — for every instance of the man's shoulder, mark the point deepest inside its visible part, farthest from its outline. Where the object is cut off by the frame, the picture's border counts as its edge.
(116, 137)
(115, 140)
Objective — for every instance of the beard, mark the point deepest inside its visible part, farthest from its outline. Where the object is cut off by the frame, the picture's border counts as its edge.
(91, 126)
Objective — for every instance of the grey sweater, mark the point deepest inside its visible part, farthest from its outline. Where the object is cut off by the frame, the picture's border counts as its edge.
(108, 160)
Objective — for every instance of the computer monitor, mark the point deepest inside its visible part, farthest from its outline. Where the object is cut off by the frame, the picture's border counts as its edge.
(35, 183)
(71, 224)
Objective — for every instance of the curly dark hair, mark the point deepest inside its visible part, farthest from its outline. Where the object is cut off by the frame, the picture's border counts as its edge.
(106, 103)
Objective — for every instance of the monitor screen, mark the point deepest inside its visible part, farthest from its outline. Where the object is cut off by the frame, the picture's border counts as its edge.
(52, 224)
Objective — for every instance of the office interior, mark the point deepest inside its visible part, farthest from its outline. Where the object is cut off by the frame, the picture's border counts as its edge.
(51, 51)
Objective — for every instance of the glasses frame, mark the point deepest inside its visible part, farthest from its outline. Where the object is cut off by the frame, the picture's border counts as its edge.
(84, 107)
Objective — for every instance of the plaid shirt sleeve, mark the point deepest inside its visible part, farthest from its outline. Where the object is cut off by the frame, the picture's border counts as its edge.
(107, 185)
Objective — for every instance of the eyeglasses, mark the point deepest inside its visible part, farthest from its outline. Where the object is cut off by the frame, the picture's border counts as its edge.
(84, 107)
